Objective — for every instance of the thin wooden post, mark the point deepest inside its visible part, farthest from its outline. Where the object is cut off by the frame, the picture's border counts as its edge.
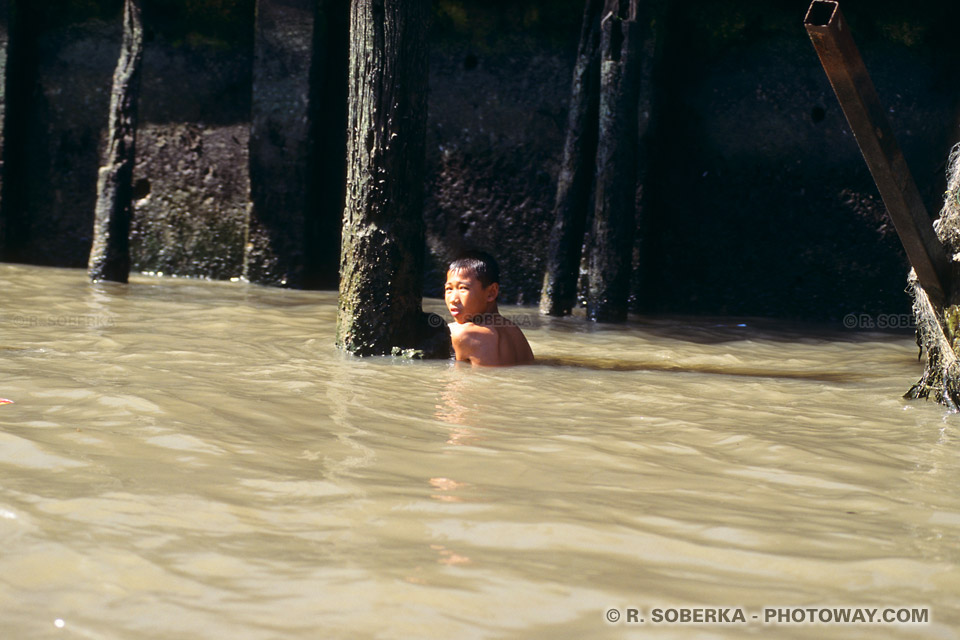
(611, 258)
(110, 253)
(279, 130)
(6, 25)
(326, 173)
(577, 167)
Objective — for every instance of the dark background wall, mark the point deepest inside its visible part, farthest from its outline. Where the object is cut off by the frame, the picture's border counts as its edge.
(499, 81)
(762, 204)
(57, 95)
(757, 201)
(192, 176)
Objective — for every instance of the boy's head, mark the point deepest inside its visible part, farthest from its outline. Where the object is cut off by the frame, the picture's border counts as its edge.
(480, 264)
(473, 285)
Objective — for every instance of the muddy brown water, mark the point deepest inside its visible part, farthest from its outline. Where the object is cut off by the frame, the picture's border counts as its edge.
(192, 459)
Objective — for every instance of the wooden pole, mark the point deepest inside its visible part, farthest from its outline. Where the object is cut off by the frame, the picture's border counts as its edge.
(110, 253)
(381, 264)
(326, 173)
(6, 26)
(279, 130)
(611, 258)
(574, 183)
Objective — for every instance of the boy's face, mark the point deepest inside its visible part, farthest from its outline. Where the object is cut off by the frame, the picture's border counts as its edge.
(466, 296)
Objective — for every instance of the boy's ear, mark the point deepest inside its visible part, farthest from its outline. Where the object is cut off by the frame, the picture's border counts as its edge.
(493, 291)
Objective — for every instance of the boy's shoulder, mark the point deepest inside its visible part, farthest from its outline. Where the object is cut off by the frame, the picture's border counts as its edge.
(471, 331)
(517, 348)
(495, 340)
(473, 342)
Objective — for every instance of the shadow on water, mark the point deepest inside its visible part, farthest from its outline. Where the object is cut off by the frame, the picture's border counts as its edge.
(612, 364)
(719, 330)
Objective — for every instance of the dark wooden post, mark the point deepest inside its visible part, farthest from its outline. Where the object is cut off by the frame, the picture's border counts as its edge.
(279, 141)
(577, 167)
(19, 82)
(110, 253)
(326, 182)
(381, 263)
(650, 18)
(6, 25)
(611, 256)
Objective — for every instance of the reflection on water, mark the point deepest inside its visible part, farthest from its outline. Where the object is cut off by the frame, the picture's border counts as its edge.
(194, 459)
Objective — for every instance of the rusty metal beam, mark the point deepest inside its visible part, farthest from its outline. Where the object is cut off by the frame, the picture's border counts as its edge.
(858, 98)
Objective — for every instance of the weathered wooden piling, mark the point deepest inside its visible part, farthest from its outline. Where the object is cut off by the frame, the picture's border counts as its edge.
(381, 267)
(326, 174)
(577, 168)
(110, 253)
(601, 156)
(649, 17)
(611, 258)
(6, 25)
(279, 141)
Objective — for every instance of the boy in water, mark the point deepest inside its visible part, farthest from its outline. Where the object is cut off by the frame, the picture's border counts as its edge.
(479, 333)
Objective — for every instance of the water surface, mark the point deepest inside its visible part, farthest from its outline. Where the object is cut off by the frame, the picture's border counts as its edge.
(192, 459)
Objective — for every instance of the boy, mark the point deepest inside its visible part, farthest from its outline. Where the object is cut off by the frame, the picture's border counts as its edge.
(479, 333)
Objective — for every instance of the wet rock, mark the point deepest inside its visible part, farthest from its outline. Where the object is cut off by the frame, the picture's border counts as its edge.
(193, 220)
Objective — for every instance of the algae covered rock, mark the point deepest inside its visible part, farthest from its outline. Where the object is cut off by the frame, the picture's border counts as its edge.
(938, 321)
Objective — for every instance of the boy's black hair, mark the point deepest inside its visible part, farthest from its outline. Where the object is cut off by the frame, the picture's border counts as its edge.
(480, 263)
